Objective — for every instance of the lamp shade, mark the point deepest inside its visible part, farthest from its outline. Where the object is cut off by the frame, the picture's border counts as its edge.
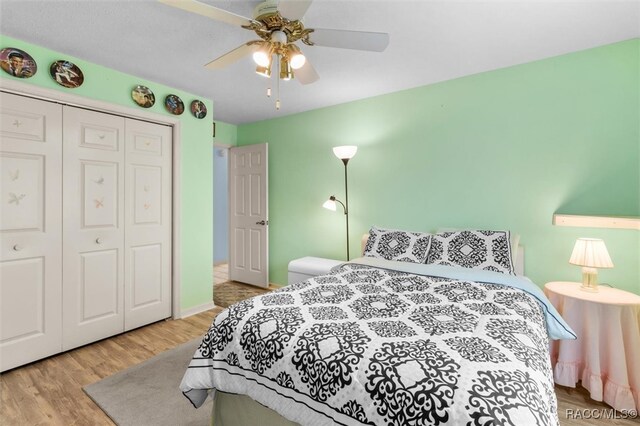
(264, 71)
(345, 152)
(592, 253)
(262, 56)
(285, 70)
(330, 204)
(296, 58)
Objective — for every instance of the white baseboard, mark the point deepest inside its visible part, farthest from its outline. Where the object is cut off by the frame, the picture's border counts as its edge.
(196, 309)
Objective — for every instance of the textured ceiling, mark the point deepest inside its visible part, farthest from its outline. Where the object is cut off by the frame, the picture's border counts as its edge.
(431, 41)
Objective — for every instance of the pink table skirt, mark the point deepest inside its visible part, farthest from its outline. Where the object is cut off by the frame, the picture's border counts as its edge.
(606, 355)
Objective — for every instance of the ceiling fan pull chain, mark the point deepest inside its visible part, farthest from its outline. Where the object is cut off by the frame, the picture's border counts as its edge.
(278, 85)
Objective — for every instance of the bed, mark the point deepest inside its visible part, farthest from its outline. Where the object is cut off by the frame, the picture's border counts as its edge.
(384, 341)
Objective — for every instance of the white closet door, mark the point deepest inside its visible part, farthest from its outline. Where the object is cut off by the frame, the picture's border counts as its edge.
(30, 229)
(147, 223)
(93, 224)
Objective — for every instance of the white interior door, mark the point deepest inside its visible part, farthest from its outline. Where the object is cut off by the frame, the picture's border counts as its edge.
(147, 261)
(30, 229)
(93, 224)
(248, 215)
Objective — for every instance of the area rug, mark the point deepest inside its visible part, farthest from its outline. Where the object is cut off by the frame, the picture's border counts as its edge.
(148, 393)
(226, 294)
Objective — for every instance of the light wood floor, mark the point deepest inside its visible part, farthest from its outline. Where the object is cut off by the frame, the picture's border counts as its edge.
(49, 392)
(220, 273)
(570, 399)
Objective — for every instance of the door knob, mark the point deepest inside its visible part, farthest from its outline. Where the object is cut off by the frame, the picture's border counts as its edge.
(98, 240)
(17, 247)
(262, 222)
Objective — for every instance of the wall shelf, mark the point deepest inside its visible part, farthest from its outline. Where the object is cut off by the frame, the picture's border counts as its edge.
(617, 222)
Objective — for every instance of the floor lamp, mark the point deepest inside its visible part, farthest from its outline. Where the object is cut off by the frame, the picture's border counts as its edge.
(344, 153)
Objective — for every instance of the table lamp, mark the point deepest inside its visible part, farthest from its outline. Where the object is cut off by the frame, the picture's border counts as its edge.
(590, 253)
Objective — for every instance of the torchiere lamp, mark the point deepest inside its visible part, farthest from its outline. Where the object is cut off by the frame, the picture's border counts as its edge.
(344, 153)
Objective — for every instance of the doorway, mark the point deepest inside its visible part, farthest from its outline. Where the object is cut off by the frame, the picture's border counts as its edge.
(248, 214)
(240, 219)
(220, 213)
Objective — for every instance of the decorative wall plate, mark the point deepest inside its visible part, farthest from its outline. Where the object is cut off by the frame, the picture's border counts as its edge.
(174, 104)
(17, 63)
(198, 109)
(143, 96)
(66, 74)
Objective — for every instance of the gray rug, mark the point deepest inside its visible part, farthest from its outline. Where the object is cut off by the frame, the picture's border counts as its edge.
(148, 393)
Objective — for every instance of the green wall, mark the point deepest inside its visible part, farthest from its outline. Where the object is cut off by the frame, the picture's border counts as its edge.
(108, 85)
(501, 149)
(226, 133)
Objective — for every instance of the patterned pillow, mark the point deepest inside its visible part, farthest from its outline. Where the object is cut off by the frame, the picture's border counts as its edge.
(392, 244)
(488, 250)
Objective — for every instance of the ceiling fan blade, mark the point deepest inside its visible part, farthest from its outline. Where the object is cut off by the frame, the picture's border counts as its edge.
(344, 39)
(208, 11)
(293, 10)
(307, 74)
(231, 57)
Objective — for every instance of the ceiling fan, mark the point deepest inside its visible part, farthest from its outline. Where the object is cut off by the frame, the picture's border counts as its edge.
(279, 26)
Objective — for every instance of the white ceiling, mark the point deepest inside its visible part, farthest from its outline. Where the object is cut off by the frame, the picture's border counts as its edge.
(431, 41)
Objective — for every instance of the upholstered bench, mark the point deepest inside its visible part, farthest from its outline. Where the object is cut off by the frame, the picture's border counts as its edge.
(307, 267)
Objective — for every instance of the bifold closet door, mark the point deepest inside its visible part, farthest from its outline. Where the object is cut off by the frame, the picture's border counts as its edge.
(147, 223)
(30, 230)
(93, 226)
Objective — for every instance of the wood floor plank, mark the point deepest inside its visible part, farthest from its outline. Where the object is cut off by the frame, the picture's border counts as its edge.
(12, 400)
(49, 392)
(45, 412)
(59, 391)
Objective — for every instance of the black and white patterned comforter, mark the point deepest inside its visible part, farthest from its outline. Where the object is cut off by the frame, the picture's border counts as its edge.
(367, 345)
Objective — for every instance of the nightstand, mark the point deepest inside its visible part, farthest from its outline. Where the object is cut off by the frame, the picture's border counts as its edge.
(308, 267)
(606, 354)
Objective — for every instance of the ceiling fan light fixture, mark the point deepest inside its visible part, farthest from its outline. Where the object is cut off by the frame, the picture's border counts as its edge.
(264, 71)
(296, 58)
(278, 37)
(262, 56)
(279, 25)
(285, 69)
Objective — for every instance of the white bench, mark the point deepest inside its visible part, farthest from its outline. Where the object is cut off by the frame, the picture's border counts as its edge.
(308, 267)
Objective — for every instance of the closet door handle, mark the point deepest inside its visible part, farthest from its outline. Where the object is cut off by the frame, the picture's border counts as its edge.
(17, 247)
(262, 222)
(98, 240)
